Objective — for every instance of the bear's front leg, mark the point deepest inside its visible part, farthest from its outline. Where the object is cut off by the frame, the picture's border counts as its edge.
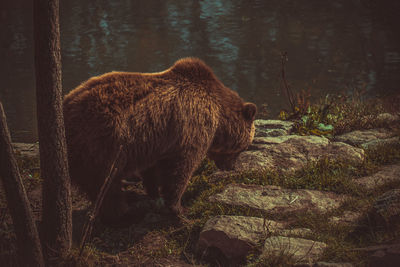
(114, 206)
(178, 171)
(151, 181)
(116, 209)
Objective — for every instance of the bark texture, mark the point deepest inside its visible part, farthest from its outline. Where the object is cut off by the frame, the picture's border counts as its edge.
(28, 243)
(57, 217)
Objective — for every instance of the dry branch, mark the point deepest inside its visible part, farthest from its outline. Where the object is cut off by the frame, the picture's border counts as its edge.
(29, 247)
(87, 229)
(286, 88)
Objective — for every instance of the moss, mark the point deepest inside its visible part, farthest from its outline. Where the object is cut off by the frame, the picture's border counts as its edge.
(383, 154)
(273, 260)
(134, 245)
(30, 174)
(337, 114)
(326, 175)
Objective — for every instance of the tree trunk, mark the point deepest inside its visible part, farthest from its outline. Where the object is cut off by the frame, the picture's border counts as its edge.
(28, 243)
(56, 231)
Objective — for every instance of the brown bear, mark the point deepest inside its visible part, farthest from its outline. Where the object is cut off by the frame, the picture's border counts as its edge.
(167, 123)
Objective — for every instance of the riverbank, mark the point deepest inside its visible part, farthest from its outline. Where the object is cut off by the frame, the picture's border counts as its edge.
(291, 199)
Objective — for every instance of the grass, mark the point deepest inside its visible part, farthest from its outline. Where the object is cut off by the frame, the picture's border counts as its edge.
(338, 114)
(159, 241)
(180, 242)
(324, 175)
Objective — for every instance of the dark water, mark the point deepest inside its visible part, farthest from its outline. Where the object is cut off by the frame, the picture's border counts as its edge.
(333, 46)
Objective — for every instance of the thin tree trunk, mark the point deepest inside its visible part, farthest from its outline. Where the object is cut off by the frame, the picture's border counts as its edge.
(56, 231)
(28, 243)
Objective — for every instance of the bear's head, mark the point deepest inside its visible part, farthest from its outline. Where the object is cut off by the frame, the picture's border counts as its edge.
(233, 136)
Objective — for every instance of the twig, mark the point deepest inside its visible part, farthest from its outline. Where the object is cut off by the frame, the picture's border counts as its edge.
(87, 229)
(308, 252)
(293, 200)
(288, 91)
(3, 212)
(266, 227)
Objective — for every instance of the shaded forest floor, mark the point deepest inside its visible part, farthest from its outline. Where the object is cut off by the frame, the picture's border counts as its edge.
(158, 241)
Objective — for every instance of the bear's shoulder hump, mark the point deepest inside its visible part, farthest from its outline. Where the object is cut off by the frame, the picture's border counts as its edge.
(193, 68)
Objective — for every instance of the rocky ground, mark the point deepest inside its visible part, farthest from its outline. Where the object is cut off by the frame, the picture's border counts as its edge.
(276, 148)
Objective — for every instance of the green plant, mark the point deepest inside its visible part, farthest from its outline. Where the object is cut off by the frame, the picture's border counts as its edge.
(337, 114)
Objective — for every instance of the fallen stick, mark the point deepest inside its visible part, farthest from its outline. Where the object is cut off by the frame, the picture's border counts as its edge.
(87, 229)
(29, 249)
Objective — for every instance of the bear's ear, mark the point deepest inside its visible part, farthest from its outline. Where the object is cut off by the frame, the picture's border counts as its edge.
(249, 111)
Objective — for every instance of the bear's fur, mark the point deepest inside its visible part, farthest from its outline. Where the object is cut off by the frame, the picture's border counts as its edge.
(167, 123)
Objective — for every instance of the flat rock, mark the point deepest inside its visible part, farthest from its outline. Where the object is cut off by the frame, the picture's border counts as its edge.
(265, 128)
(324, 264)
(360, 137)
(289, 153)
(387, 174)
(388, 118)
(27, 149)
(275, 199)
(375, 143)
(235, 236)
(300, 249)
(386, 209)
(387, 255)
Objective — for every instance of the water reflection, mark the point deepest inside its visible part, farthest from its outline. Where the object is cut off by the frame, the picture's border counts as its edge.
(333, 46)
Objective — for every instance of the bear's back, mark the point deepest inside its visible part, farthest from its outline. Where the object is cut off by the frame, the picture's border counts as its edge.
(114, 89)
(122, 89)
